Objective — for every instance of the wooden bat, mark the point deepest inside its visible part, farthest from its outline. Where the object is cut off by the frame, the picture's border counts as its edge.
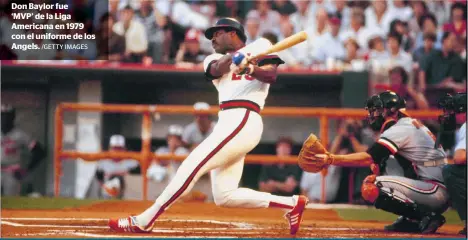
(281, 45)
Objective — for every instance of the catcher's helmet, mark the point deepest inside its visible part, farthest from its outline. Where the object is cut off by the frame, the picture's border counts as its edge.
(376, 104)
(229, 24)
(388, 99)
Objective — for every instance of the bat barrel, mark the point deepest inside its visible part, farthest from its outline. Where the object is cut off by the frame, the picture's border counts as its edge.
(283, 44)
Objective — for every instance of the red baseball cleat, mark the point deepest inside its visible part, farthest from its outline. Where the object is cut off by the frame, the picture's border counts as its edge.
(294, 216)
(127, 224)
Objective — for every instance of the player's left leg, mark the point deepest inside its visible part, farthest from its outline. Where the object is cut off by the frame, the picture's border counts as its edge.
(419, 203)
(238, 131)
(226, 193)
(455, 180)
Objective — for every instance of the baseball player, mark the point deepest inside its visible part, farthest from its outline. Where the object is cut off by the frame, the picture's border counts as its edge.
(242, 93)
(420, 196)
(16, 146)
(455, 174)
(110, 172)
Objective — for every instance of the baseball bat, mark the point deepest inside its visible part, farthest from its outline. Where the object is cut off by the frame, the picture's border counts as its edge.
(283, 44)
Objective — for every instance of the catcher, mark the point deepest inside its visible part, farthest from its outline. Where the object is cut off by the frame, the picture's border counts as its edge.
(419, 197)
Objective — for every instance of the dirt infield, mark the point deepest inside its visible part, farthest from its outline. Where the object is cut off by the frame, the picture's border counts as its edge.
(192, 220)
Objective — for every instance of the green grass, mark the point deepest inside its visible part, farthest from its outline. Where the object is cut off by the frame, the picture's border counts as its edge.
(44, 203)
(378, 215)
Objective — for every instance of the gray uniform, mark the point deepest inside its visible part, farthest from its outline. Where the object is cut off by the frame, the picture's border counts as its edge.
(412, 143)
(192, 134)
(15, 152)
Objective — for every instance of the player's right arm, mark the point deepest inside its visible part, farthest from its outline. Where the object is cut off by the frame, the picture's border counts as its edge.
(216, 65)
(388, 144)
(360, 159)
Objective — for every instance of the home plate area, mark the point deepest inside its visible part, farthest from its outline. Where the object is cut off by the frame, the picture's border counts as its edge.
(195, 220)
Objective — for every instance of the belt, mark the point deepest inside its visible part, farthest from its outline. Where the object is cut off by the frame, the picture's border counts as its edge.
(239, 104)
(435, 163)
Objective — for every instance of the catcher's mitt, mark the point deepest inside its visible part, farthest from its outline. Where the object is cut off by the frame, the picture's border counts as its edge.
(307, 160)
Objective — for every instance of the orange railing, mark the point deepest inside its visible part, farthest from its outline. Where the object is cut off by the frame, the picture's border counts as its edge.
(145, 155)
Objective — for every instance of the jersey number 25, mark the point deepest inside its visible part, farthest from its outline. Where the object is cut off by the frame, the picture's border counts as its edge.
(236, 77)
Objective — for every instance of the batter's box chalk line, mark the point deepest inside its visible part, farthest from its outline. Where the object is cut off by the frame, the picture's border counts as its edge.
(196, 232)
(236, 225)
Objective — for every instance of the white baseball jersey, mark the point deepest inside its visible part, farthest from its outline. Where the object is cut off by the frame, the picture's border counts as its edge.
(15, 147)
(231, 86)
(461, 138)
(413, 141)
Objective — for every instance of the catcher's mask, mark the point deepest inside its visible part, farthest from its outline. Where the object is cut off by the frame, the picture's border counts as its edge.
(451, 106)
(383, 105)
